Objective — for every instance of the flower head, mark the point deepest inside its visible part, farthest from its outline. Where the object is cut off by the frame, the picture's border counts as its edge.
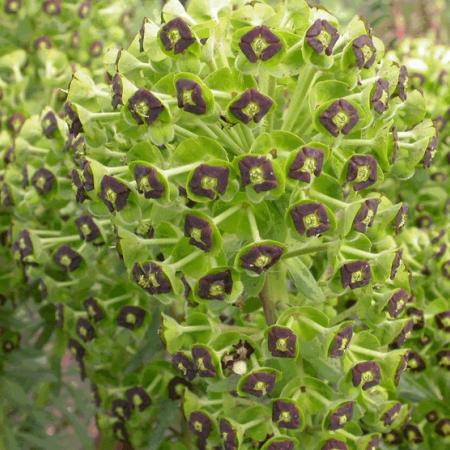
(260, 44)
(12, 6)
(380, 96)
(402, 83)
(366, 374)
(85, 330)
(415, 362)
(175, 387)
(285, 414)
(67, 258)
(84, 9)
(144, 107)
(121, 409)
(402, 365)
(235, 359)
(73, 121)
(52, 7)
(215, 286)
(176, 36)
(362, 171)
(200, 424)
(76, 349)
(120, 432)
(392, 437)
(151, 277)
(334, 444)
(199, 232)
(322, 37)
(412, 433)
(282, 342)
(417, 316)
(341, 341)
(340, 117)
(430, 152)
(364, 51)
(117, 88)
(43, 181)
(307, 162)
(185, 365)
(87, 228)
(203, 361)
(340, 416)
(443, 321)
(209, 181)
(228, 434)
(259, 383)
(251, 105)
(93, 309)
(403, 335)
(443, 427)
(281, 444)
(257, 171)
(138, 398)
(445, 269)
(366, 215)
(401, 217)
(355, 274)
(148, 181)
(49, 124)
(310, 218)
(397, 303)
(261, 257)
(396, 263)
(432, 416)
(190, 96)
(443, 359)
(42, 42)
(23, 246)
(113, 193)
(391, 414)
(131, 317)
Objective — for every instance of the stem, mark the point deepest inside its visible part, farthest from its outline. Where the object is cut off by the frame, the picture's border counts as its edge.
(267, 303)
(186, 260)
(366, 351)
(221, 94)
(184, 132)
(194, 328)
(327, 199)
(357, 252)
(308, 249)
(159, 241)
(117, 170)
(114, 300)
(180, 169)
(225, 214)
(232, 144)
(154, 383)
(253, 225)
(45, 232)
(251, 424)
(58, 240)
(104, 115)
(312, 324)
(319, 397)
(38, 150)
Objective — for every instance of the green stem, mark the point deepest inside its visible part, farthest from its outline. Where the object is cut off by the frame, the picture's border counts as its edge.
(360, 253)
(186, 260)
(365, 351)
(327, 199)
(307, 250)
(253, 225)
(227, 213)
(104, 115)
(312, 324)
(181, 169)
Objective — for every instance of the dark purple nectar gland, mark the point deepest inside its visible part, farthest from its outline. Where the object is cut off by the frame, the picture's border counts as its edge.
(415, 362)
(261, 257)
(334, 444)
(148, 182)
(203, 362)
(391, 414)
(52, 7)
(12, 6)
(402, 336)
(43, 181)
(131, 317)
(402, 83)
(285, 415)
(443, 321)
(366, 374)
(93, 309)
(96, 49)
(49, 124)
(412, 433)
(138, 398)
(67, 258)
(113, 193)
(397, 303)
(151, 277)
(355, 274)
(87, 228)
(22, 246)
(200, 424)
(72, 119)
(209, 181)
(417, 316)
(190, 97)
(340, 117)
(228, 435)
(144, 107)
(401, 218)
(120, 432)
(85, 330)
(117, 88)
(282, 444)
(310, 219)
(257, 171)
(282, 342)
(176, 36)
(15, 122)
(184, 365)
(251, 105)
(443, 359)
(380, 96)
(430, 152)
(322, 37)
(307, 162)
(341, 342)
(364, 51)
(42, 43)
(121, 409)
(77, 350)
(362, 171)
(443, 427)
(215, 286)
(366, 215)
(259, 384)
(260, 44)
(341, 416)
(199, 232)
(176, 386)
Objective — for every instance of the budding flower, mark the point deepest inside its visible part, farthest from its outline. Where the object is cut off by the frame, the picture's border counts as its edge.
(396, 263)
(397, 303)
(49, 124)
(260, 44)
(67, 258)
(366, 374)
(251, 105)
(261, 257)
(341, 342)
(430, 152)
(209, 181)
(391, 414)
(113, 193)
(362, 171)
(307, 162)
(402, 83)
(216, 285)
(339, 117)
(310, 219)
(322, 37)
(380, 96)
(117, 88)
(203, 361)
(364, 51)
(131, 317)
(282, 342)
(73, 121)
(402, 336)
(144, 107)
(176, 36)
(355, 274)
(401, 217)
(285, 414)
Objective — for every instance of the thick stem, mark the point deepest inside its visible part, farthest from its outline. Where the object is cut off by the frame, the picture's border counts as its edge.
(253, 225)
(308, 250)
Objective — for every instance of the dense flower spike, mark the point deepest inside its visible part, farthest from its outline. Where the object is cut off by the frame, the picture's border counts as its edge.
(340, 117)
